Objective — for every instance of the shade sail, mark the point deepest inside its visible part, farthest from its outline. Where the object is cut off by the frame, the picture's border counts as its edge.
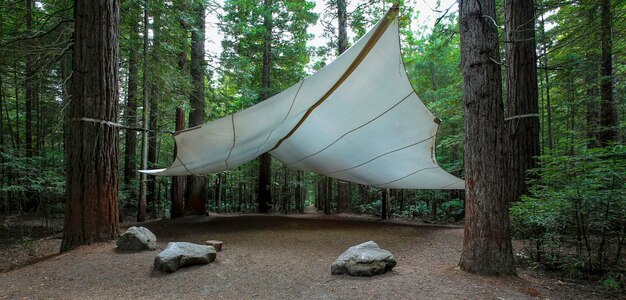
(358, 119)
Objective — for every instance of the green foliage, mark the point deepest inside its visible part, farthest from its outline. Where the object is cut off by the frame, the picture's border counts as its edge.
(244, 35)
(451, 210)
(432, 60)
(610, 283)
(37, 181)
(574, 215)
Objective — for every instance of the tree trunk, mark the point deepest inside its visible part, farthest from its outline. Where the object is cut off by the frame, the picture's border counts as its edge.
(342, 32)
(487, 243)
(178, 182)
(130, 116)
(285, 190)
(152, 195)
(91, 213)
(383, 204)
(178, 188)
(522, 107)
(591, 75)
(17, 106)
(547, 83)
(29, 85)
(143, 197)
(609, 126)
(218, 191)
(265, 163)
(299, 198)
(328, 195)
(196, 185)
(344, 190)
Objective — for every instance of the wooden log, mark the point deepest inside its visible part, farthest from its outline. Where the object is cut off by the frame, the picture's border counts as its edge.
(216, 244)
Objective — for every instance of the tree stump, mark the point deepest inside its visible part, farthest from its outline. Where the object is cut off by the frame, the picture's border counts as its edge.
(216, 244)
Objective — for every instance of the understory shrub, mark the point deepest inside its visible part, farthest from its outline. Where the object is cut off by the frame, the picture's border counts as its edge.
(575, 215)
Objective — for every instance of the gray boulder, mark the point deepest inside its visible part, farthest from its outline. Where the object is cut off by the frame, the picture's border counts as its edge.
(182, 254)
(137, 239)
(365, 259)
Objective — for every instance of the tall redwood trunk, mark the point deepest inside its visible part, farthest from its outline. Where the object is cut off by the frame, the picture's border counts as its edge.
(196, 185)
(522, 107)
(265, 160)
(487, 243)
(178, 182)
(609, 123)
(91, 213)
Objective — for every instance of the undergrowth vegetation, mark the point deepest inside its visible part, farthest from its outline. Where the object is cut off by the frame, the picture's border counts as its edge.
(574, 219)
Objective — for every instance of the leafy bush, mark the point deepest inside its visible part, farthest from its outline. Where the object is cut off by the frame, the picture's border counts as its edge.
(34, 182)
(575, 215)
(451, 210)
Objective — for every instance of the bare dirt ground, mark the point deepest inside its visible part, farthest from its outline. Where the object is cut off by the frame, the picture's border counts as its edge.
(280, 257)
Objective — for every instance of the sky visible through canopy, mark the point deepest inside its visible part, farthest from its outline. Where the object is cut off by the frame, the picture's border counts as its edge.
(429, 11)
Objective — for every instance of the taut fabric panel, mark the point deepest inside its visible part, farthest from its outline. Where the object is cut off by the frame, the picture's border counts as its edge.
(358, 119)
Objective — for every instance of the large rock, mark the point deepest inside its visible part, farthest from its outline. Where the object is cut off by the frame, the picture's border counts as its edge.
(365, 259)
(182, 254)
(137, 239)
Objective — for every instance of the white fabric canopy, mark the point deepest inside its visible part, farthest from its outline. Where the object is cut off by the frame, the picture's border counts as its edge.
(358, 119)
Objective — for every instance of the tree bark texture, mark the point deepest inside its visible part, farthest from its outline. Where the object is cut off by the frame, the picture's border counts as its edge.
(196, 185)
(522, 94)
(609, 126)
(342, 22)
(487, 243)
(91, 213)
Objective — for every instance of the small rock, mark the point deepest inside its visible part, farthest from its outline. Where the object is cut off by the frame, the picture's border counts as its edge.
(365, 259)
(137, 239)
(182, 254)
(216, 244)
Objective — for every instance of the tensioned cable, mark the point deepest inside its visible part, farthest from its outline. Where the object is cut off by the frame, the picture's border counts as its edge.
(390, 182)
(232, 119)
(353, 130)
(382, 27)
(445, 186)
(379, 156)
(283, 121)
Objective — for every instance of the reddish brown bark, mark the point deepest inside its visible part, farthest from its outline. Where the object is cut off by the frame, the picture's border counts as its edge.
(522, 107)
(487, 243)
(196, 185)
(91, 213)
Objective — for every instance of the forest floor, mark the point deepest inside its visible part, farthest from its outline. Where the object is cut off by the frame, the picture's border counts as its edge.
(278, 257)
